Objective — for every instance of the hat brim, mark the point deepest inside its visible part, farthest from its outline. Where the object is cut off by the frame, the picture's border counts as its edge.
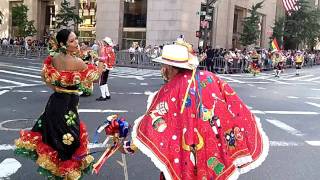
(171, 63)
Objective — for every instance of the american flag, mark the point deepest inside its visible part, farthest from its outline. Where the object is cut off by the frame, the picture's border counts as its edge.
(290, 5)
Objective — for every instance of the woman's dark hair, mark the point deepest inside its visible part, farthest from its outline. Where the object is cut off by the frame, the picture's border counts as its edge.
(62, 37)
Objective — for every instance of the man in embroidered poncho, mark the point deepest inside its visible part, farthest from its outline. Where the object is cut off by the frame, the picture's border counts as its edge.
(196, 127)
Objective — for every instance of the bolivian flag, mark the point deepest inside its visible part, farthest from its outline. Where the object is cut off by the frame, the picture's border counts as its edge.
(274, 45)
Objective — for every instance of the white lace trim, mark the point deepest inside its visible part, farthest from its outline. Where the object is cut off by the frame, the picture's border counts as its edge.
(238, 162)
(147, 151)
(261, 158)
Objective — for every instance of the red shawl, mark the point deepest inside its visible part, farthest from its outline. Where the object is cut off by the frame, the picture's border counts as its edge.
(216, 137)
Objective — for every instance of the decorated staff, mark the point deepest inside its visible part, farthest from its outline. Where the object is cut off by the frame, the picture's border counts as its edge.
(116, 129)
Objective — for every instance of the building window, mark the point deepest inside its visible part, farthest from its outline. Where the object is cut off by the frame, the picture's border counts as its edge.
(87, 11)
(134, 23)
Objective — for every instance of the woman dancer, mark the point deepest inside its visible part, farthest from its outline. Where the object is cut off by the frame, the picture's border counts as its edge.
(58, 141)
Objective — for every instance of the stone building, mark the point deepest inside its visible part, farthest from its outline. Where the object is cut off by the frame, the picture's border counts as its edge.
(150, 22)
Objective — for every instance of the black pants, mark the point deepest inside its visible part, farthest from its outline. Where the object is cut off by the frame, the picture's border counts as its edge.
(104, 78)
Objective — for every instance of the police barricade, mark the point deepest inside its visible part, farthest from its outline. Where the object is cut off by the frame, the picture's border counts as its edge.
(235, 66)
(3, 49)
(216, 64)
(135, 59)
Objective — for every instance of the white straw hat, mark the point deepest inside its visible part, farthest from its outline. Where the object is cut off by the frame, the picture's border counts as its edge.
(177, 55)
(108, 40)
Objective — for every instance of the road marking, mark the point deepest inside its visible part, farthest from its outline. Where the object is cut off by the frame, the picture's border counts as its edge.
(284, 143)
(13, 82)
(26, 68)
(313, 104)
(285, 127)
(312, 79)
(6, 147)
(8, 167)
(313, 143)
(257, 112)
(11, 87)
(292, 97)
(292, 112)
(280, 82)
(3, 91)
(300, 77)
(231, 79)
(314, 89)
(261, 88)
(20, 74)
(101, 111)
(313, 97)
(21, 91)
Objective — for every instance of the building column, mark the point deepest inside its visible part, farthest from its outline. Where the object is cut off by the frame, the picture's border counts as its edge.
(109, 19)
(33, 13)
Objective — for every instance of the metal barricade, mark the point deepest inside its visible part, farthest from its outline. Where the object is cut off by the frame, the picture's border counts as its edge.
(136, 59)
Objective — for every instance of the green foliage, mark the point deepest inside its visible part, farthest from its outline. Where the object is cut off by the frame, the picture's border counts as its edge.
(251, 30)
(302, 26)
(20, 21)
(278, 31)
(66, 15)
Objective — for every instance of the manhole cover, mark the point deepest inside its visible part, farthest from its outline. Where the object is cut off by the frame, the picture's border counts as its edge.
(17, 124)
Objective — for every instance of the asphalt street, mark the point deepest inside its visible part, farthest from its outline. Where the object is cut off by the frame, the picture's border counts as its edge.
(289, 109)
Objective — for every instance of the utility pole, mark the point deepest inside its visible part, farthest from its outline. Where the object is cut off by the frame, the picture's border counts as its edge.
(206, 36)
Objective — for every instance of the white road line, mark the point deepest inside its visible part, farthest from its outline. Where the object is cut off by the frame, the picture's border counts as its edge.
(26, 68)
(314, 89)
(284, 143)
(313, 97)
(313, 143)
(292, 112)
(313, 104)
(285, 127)
(3, 91)
(6, 147)
(8, 167)
(262, 88)
(300, 77)
(20, 74)
(231, 79)
(101, 111)
(312, 79)
(13, 82)
(11, 87)
(22, 91)
(292, 97)
(257, 112)
(280, 82)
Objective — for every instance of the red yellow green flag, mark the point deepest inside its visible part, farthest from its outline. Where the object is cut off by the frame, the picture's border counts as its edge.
(274, 45)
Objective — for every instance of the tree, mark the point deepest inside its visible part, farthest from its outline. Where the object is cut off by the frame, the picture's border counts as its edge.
(251, 30)
(302, 26)
(278, 31)
(67, 15)
(24, 27)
